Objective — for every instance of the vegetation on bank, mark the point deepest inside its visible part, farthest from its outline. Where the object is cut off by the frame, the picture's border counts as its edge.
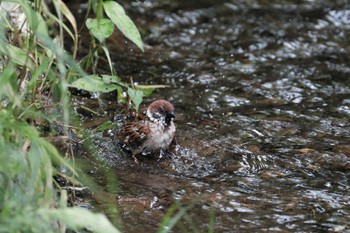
(35, 74)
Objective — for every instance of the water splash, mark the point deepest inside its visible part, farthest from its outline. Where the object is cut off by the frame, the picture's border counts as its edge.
(187, 162)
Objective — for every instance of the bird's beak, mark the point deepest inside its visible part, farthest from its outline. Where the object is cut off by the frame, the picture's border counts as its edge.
(170, 114)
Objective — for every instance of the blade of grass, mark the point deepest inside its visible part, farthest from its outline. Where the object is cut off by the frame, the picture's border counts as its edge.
(189, 220)
(211, 220)
(169, 221)
(68, 14)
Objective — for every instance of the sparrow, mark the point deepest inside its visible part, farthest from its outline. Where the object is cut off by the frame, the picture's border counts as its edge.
(156, 131)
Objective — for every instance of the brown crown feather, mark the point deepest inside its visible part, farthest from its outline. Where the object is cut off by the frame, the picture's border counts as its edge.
(161, 105)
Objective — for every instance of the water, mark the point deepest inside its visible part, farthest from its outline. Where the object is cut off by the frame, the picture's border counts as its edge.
(261, 91)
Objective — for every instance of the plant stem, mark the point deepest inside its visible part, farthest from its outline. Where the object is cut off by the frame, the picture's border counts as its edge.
(99, 9)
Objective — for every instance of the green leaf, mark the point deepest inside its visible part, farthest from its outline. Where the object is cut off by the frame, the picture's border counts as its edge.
(79, 218)
(17, 55)
(117, 14)
(136, 97)
(113, 79)
(95, 83)
(100, 28)
(55, 156)
(9, 86)
(60, 5)
(61, 8)
(104, 48)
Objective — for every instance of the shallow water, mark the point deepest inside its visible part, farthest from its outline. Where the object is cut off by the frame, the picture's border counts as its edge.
(262, 94)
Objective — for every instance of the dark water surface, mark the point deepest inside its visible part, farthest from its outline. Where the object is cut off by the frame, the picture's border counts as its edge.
(262, 95)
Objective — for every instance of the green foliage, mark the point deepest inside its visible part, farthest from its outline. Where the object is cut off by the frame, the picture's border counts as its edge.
(100, 28)
(171, 218)
(211, 220)
(35, 20)
(177, 212)
(79, 218)
(17, 55)
(27, 197)
(94, 83)
(32, 64)
(108, 83)
(26, 176)
(117, 14)
(61, 10)
(136, 97)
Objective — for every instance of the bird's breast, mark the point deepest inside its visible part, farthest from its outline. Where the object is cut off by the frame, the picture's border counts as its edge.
(161, 136)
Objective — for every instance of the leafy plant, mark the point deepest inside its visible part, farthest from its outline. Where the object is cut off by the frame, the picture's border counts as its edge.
(117, 14)
(34, 71)
(136, 97)
(101, 28)
(94, 83)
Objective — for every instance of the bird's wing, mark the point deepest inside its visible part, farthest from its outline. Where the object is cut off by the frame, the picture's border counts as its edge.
(133, 134)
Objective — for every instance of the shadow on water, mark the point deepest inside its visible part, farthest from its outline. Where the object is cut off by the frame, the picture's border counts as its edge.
(262, 94)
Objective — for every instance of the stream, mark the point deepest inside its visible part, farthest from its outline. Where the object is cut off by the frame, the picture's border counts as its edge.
(261, 90)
